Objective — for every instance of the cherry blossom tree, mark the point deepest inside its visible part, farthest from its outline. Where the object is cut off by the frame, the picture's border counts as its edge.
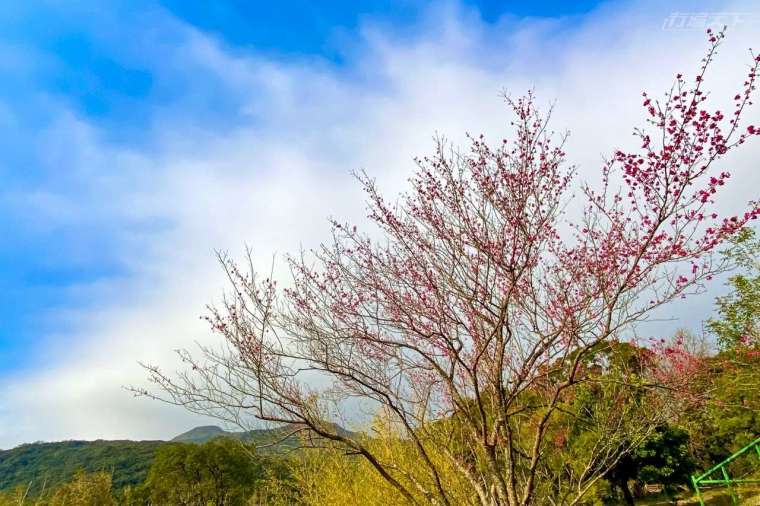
(479, 302)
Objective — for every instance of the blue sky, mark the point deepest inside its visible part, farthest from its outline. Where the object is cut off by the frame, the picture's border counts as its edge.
(93, 59)
(136, 137)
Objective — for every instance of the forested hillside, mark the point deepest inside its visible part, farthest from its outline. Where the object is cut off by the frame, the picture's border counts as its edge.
(47, 465)
(50, 464)
(221, 471)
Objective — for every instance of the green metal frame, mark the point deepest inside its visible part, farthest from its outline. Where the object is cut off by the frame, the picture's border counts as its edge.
(704, 479)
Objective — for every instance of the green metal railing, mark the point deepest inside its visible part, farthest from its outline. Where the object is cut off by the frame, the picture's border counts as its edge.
(704, 479)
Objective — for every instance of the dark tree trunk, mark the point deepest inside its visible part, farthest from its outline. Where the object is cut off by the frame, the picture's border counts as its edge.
(627, 496)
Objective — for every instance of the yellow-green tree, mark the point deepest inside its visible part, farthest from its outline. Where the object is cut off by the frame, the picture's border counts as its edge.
(221, 472)
(332, 477)
(84, 489)
(93, 489)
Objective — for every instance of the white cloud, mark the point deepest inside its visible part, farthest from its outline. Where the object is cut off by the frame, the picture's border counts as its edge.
(271, 181)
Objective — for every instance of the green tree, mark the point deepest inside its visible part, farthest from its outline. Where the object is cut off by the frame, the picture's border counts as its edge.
(605, 414)
(664, 458)
(93, 489)
(84, 489)
(730, 417)
(739, 321)
(17, 496)
(222, 472)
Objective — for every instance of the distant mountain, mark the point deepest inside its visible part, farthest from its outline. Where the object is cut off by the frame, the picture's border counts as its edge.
(267, 439)
(205, 433)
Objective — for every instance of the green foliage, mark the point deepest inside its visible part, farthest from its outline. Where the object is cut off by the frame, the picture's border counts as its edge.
(739, 322)
(47, 465)
(731, 417)
(664, 458)
(38, 466)
(221, 472)
(85, 489)
(15, 496)
(601, 415)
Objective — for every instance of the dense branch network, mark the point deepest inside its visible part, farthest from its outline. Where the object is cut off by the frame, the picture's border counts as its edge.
(478, 314)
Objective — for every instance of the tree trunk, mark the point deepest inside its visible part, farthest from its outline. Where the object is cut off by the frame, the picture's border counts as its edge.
(627, 496)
